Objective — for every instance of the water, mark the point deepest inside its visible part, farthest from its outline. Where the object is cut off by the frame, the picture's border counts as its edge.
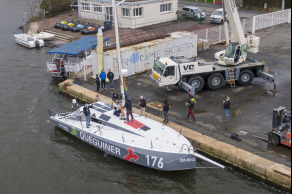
(35, 157)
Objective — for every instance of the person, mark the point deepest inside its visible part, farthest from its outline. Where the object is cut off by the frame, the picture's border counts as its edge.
(165, 110)
(142, 104)
(237, 54)
(86, 111)
(62, 73)
(116, 106)
(128, 106)
(110, 77)
(115, 96)
(191, 105)
(97, 83)
(102, 76)
(227, 105)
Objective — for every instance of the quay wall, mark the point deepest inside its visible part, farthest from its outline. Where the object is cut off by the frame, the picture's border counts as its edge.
(267, 170)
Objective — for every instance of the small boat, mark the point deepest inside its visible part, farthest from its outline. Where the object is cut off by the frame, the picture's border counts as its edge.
(45, 35)
(29, 41)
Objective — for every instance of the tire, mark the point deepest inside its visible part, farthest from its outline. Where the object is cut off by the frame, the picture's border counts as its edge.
(274, 139)
(215, 81)
(245, 78)
(198, 81)
(221, 21)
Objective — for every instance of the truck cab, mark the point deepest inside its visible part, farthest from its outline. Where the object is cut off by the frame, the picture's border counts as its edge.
(165, 72)
(230, 57)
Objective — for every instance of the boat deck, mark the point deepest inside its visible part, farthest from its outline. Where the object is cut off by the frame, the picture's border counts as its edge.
(143, 132)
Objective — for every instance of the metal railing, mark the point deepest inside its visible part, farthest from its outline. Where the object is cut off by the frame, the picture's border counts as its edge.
(271, 19)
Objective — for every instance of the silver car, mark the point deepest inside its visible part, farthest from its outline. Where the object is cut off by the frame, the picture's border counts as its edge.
(193, 13)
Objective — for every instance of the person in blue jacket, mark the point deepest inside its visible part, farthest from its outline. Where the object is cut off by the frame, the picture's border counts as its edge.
(102, 76)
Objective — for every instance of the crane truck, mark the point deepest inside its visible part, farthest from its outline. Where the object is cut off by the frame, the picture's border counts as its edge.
(193, 74)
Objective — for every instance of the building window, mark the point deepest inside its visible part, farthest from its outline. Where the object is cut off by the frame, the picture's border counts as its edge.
(137, 12)
(85, 7)
(97, 8)
(126, 12)
(165, 7)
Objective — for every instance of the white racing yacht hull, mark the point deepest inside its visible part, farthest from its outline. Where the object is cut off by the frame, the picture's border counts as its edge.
(128, 140)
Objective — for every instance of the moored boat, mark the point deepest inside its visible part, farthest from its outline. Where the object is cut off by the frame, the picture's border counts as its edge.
(29, 41)
(143, 141)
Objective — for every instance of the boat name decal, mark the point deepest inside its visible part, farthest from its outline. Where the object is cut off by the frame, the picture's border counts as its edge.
(131, 155)
(63, 127)
(100, 144)
(187, 160)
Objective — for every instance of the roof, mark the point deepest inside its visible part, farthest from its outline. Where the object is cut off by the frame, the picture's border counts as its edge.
(78, 46)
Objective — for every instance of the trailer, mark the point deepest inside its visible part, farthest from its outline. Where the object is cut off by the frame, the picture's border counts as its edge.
(192, 74)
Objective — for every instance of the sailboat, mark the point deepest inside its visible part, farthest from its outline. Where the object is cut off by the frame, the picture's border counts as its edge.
(142, 141)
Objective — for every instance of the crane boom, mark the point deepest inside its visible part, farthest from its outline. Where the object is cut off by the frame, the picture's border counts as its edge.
(234, 21)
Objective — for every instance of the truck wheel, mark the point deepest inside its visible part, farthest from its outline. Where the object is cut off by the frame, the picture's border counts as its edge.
(245, 78)
(274, 139)
(198, 81)
(221, 22)
(215, 81)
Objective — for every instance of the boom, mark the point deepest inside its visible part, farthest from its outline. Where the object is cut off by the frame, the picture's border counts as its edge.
(234, 21)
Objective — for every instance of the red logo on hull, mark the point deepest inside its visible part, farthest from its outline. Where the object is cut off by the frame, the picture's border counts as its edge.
(131, 155)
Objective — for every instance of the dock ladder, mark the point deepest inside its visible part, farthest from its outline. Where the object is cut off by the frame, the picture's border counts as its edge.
(231, 77)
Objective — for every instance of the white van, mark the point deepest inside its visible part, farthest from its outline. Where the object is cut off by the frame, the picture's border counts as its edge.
(193, 13)
(217, 16)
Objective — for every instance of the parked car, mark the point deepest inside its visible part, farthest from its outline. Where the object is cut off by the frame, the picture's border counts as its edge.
(217, 16)
(193, 13)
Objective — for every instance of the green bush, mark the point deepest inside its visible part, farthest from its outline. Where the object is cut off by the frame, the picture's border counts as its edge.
(54, 7)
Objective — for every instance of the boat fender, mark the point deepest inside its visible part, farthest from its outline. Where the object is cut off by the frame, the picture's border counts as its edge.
(37, 43)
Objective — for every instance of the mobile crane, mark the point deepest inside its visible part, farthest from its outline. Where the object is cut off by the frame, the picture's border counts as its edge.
(192, 75)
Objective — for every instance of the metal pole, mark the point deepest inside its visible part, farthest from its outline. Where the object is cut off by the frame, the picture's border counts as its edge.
(208, 160)
(118, 51)
(283, 4)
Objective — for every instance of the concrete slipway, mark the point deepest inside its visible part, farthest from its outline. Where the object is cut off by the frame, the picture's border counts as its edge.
(262, 168)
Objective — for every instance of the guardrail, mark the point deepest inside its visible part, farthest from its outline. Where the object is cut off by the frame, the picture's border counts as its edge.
(271, 19)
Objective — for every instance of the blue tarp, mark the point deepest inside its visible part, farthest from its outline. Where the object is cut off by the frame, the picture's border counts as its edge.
(78, 46)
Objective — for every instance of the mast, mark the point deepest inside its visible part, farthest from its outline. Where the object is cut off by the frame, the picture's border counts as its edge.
(118, 49)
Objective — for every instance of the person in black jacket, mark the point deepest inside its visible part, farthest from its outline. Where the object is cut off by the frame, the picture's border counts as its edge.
(110, 77)
(86, 112)
(97, 83)
(128, 106)
(237, 54)
(165, 110)
(142, 104)
(227, 105)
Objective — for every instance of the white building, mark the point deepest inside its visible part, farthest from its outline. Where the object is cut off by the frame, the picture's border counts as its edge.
(131, 13)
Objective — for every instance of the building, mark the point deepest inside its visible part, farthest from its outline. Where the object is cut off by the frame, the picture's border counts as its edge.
(131, 13)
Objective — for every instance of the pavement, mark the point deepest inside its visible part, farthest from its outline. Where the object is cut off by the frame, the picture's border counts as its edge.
(252, 106)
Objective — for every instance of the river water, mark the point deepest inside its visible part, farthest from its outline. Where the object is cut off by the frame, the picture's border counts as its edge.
(35, 157)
